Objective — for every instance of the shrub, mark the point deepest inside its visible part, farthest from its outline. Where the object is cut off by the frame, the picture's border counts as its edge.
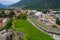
(54, 26)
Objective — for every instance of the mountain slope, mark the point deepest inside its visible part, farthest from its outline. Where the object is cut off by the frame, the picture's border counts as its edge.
(2, 6)
(37, 4)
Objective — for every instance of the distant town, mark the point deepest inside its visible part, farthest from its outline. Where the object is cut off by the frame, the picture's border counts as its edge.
(22, 24)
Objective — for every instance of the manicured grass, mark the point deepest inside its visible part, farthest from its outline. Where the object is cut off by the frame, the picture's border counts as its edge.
(32, 33)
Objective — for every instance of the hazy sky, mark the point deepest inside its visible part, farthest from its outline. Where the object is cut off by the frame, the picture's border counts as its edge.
(8, 2)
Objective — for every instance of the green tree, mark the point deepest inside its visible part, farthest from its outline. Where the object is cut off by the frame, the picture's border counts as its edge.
(11, 14)
(2, 14)
(8, 24)
(58, 21)
(22, 16)
(45, 11)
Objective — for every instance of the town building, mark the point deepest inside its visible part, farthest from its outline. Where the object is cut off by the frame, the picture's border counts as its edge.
(3, 21)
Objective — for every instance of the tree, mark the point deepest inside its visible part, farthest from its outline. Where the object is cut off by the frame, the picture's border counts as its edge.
(58, 21)
(8, 24)
(45, 11)
(22, 16)
(2, 14)
(11, 14)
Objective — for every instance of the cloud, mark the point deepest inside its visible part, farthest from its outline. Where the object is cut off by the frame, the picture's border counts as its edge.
(8, 2)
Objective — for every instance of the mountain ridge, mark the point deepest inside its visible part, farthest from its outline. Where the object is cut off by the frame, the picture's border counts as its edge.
(37, 4)
(2, 5)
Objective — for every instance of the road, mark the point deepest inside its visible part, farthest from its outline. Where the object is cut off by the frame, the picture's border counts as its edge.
(41, 28)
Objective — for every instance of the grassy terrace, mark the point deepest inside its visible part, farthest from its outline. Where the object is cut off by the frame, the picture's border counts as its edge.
(31, 32)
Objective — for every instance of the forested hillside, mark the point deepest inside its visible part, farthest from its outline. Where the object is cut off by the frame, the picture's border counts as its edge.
(38, 4)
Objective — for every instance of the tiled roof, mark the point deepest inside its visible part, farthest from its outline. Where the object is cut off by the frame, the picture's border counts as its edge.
(1, 24)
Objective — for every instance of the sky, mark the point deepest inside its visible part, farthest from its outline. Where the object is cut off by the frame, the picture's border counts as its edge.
(8, 2)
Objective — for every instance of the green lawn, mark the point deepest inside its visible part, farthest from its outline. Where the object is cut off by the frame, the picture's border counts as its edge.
(32, 33)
